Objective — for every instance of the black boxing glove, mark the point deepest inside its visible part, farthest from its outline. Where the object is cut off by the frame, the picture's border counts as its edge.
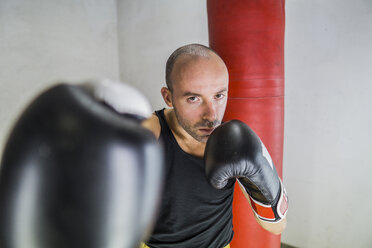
(232, 151)
(76, 173)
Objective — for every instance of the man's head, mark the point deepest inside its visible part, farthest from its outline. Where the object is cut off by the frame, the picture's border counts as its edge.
(197, 85)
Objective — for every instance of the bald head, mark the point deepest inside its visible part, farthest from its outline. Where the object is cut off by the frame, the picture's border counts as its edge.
(187, 54)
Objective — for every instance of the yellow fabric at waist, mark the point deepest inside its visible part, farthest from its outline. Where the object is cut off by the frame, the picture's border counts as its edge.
(145, 246)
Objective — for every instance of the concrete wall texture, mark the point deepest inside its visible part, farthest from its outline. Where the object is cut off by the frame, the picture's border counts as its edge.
(44, 42)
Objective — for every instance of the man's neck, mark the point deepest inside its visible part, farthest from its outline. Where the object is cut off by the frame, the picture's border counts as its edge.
(187, 143)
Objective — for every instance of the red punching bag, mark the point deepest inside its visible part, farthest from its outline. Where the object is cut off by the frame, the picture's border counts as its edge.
(249, 36)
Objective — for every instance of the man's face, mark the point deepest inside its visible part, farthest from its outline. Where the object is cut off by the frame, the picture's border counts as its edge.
(199, 94)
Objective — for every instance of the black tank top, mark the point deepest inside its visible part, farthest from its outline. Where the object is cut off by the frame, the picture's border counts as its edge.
(192, 213)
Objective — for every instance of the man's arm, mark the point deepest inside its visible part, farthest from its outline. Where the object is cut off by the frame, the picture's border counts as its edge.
(153, 125)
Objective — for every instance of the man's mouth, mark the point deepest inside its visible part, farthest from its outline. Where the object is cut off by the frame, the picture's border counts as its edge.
(206, 130)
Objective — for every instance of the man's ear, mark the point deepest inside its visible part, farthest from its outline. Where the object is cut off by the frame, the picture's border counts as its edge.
(167, 96)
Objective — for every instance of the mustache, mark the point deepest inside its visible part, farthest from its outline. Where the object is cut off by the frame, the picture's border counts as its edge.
(208, 124)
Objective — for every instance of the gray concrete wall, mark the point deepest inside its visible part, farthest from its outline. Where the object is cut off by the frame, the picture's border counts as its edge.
(149, 31)
(328, 145)
(42, 42)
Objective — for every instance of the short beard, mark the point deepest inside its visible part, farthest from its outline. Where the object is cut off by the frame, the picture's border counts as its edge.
(193, 129)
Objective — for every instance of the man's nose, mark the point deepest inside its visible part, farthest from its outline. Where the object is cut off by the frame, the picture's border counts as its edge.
(210, 112)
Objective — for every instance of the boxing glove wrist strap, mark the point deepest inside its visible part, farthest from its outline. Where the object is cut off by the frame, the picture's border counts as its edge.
(271, 213)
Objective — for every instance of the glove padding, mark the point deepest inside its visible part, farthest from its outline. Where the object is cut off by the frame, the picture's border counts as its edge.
(234, 151)
(75, 173)
(122, 98)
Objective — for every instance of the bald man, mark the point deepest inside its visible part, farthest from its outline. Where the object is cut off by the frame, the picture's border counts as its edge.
(193, 213)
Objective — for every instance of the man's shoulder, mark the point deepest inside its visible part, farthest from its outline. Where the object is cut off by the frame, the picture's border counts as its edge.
(153, 124)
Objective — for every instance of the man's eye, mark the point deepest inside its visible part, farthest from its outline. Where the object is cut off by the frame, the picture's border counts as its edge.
(192, 99)
(220, 96)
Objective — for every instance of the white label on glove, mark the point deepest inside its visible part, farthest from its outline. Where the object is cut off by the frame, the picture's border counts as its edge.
(266, 154)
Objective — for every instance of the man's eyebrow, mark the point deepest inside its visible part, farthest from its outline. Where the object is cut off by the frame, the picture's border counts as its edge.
(223, 90)
(189, 93)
